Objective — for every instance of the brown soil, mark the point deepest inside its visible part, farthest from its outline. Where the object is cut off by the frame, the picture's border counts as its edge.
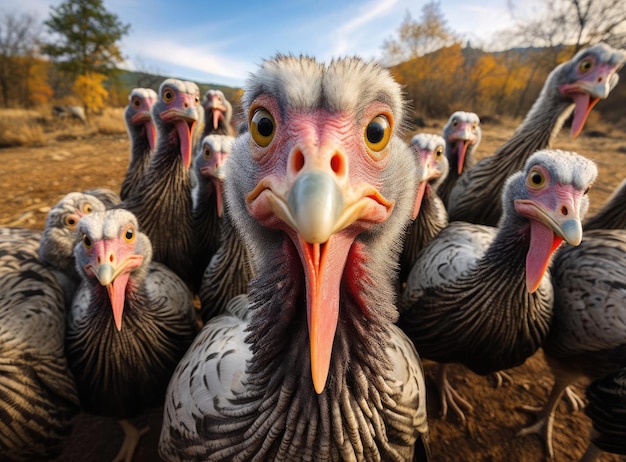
(35, 178)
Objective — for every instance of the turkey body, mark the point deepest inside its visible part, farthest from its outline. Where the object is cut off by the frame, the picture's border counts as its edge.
(39, 396)
(606, 408)
(255, 385)
(612, 214)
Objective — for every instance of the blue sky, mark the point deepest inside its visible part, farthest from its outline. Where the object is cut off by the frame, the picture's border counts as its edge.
(221, 42)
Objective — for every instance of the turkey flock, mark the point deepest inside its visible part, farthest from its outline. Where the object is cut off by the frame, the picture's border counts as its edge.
(272, 289)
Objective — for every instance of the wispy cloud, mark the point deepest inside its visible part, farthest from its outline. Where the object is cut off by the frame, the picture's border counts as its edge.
(173, 54)
(349, 36)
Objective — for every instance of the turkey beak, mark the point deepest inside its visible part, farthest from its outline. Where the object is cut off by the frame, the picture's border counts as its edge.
(144, 118)
(113, 274)
(429, 173)
(588, 91)
(184, 128)
(214, 170)
(150, 133)
(319, 210)
(461, 148)
(548, 229)
(184, 119)
(316, 205)
(217, 109)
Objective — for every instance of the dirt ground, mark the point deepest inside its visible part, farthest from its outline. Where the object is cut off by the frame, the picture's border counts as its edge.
(34, 178)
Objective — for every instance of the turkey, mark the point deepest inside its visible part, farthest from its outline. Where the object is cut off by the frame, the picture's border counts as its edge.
(577, 84)
(218, 114)
(481, 296)
(462, 135)
(430, 212)
(587, 338)
(309, 365)
(162, 201)
(131, 321)
(142, 134)
(607, 410)
(56, 248)
(208, 207)
(39, 397)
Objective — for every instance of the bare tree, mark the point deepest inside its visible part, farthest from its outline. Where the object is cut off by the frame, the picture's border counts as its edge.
(574, 22)
(19, 36)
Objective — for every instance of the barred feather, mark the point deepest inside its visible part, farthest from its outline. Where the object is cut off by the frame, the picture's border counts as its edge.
(38, 396)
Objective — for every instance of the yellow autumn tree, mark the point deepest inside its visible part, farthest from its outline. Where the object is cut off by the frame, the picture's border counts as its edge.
(38, 89)
(432, 82)
(89, 89)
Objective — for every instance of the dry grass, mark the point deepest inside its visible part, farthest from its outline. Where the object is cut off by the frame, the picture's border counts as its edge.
(21, 127)
(110, 122)
(37, 127)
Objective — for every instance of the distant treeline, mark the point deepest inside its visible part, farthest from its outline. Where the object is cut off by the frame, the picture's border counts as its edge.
(495, 84)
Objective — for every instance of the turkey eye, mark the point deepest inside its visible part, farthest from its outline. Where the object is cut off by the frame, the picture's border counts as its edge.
(197, 99)
(585, 66)
(86, 241)
(587, 190)
(136, 101)
(71, 221)
(536, 179)
(87, 208)
(262, 127)
(377, 133)
(438, 151)
(474, 125)
(168, 95)
(455, 123)
(207, 153)
(129, 235)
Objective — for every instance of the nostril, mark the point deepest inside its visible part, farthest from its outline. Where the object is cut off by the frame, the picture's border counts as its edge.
(297, 161)
(564, 211)
(337, 164)
(111, 258)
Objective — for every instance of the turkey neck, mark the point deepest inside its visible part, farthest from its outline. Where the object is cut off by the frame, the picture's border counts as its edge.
(280, 377)
(163, 206)
(139, 162)
(430, 220)
(229, 272)
(140, 150)
(205, 217)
